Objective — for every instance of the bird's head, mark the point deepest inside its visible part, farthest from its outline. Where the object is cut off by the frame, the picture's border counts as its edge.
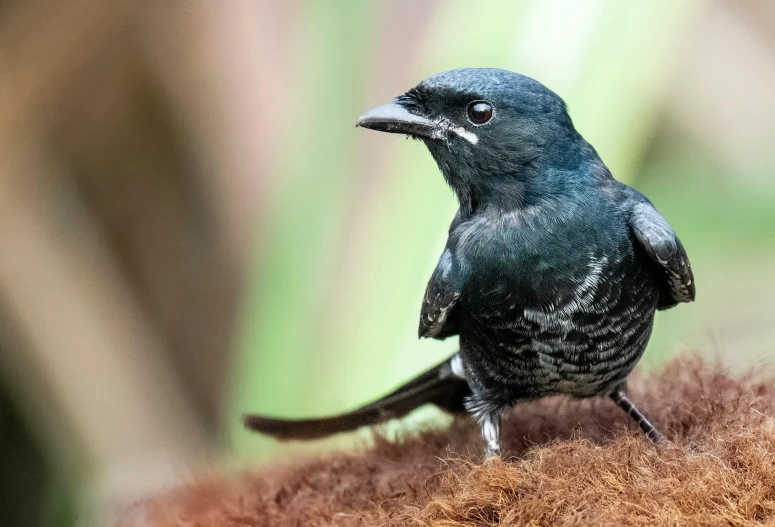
(494, 134)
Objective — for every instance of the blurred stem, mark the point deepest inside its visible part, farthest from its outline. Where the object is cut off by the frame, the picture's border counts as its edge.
(295, 254)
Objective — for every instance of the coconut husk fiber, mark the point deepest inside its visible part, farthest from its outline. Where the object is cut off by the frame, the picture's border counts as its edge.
(566, 463)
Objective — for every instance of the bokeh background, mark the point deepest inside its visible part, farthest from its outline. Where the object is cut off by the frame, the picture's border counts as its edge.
(191, 227)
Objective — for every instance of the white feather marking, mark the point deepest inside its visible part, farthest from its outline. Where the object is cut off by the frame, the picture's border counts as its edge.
(465, 134)
(456, 364)
(560, 317)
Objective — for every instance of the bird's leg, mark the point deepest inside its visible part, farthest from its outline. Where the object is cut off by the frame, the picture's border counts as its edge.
(491, 432)
(484, 410)
(620, 398)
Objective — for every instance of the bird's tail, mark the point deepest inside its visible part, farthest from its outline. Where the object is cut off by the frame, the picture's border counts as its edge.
(439, 385)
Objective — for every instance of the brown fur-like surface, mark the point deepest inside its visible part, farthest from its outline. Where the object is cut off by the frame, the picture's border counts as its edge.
(568, 463)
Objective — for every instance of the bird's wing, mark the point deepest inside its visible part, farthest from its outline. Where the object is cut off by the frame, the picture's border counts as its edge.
(439, 317)
(662, 245)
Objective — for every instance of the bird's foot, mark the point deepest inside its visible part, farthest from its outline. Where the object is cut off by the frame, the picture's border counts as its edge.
(652, 433)
(492, 453)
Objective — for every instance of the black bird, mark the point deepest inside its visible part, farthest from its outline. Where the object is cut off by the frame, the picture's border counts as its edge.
(552, 270)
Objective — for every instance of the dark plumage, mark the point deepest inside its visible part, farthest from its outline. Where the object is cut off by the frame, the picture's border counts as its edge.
(552, 270)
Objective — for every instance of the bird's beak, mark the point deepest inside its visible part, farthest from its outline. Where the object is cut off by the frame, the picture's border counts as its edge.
(396, 119)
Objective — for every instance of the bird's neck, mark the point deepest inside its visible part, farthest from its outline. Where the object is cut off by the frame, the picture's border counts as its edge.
(473, 198)
(528, 184)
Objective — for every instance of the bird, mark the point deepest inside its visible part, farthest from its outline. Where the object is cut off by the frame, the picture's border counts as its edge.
(552, 270)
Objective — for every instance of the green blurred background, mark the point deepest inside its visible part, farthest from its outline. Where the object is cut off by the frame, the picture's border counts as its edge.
(191, 227)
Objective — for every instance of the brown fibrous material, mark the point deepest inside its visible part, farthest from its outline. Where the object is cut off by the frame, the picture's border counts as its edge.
(566, 463)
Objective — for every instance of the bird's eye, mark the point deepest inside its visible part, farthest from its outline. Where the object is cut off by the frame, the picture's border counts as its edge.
(479, 112)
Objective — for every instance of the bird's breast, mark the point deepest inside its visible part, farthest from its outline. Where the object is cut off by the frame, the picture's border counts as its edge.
(554, 303)
(542, 333)
(541, 259)
(547, 294)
